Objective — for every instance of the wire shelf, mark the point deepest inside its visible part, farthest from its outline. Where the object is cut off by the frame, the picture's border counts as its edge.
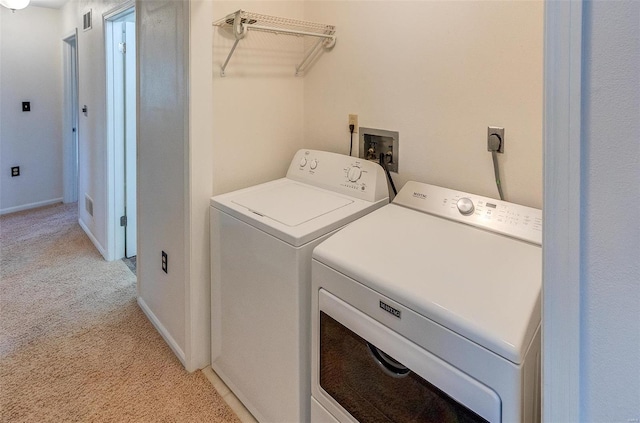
(242, 21)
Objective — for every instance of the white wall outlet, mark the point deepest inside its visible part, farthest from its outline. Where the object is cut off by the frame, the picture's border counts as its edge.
(353, 120)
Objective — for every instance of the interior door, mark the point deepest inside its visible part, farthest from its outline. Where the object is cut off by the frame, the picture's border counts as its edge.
(70, 158)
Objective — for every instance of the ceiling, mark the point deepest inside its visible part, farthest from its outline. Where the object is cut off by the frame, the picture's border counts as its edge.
(52, 4)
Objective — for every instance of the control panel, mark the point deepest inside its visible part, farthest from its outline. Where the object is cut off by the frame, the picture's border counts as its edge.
(509, 219)
(336, 172)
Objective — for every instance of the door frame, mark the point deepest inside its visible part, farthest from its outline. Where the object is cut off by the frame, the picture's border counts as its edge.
(561, 296)
(115, 183)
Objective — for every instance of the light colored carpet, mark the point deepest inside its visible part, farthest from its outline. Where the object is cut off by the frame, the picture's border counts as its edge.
(74, 346)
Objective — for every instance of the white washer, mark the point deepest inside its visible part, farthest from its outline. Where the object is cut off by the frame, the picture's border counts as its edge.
(428, 309)
(262, 238)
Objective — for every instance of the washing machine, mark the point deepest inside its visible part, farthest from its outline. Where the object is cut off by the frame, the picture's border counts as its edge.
(262, 238)
(428, 310)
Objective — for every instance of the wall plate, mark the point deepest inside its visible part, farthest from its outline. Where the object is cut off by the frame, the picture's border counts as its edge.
(492, 131)
(376, 141)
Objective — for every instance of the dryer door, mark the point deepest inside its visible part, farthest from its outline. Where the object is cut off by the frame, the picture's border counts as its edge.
(376, 375)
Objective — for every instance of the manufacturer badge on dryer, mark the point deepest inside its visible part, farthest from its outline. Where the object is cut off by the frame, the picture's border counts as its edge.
(386, 307)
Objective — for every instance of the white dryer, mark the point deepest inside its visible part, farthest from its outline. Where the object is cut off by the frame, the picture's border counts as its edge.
(428, 310)
(262, 238)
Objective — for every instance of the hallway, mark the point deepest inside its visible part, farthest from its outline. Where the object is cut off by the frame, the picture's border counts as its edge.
(74, 345)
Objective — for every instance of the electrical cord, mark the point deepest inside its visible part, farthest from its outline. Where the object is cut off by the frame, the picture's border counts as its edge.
(496, 168)
(383, 163)
(351, 129)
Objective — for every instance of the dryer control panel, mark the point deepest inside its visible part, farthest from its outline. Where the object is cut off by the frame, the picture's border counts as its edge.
(347, 175)
(509, 219)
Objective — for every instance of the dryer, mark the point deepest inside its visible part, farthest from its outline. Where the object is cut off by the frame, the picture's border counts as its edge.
(262, 238)
(428, 309)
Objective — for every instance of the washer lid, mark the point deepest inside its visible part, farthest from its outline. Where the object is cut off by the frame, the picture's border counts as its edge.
(293, 212)
(291, 204)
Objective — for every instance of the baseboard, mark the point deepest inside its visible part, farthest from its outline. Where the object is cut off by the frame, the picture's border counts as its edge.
(30, 206)
(93, 239)
(163, 331)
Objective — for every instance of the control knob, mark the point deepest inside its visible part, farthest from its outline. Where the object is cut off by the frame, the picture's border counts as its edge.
(354, 173)
(314, 164)
(465, 206)
(303, 162)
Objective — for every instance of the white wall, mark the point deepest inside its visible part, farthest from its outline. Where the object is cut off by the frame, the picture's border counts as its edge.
(30, 70)
(163, 192)
(439, 72)
(92, 141)
(610, 286)
(198, 326)
(258, 107)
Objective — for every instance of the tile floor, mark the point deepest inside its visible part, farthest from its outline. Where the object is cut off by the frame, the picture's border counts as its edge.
(226, 394)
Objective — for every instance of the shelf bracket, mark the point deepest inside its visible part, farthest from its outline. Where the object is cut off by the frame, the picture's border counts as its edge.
(312, 53)
(224, 66)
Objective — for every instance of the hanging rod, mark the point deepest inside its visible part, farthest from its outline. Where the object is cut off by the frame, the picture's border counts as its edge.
(242, 21)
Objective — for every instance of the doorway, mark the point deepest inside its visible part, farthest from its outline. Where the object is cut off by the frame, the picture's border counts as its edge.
(120, 33)
(70, 127)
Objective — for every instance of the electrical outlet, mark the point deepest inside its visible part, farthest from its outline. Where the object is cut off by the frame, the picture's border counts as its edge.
(15, 171)
(495, 133)
(353, 120)
(88, 204)
(165, 262)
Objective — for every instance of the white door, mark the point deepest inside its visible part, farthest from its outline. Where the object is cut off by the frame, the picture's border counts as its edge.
(70, 152)
(121, 117)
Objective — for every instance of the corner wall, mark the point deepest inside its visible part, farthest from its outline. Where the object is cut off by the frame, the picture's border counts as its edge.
(244, 130)
(30, 70)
